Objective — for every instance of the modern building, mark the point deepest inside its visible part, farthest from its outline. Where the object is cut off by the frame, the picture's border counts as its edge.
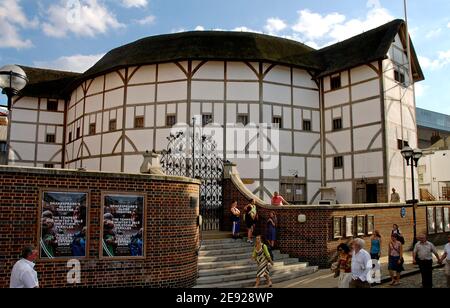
(344, 111)
(431, 127)
(434, 175)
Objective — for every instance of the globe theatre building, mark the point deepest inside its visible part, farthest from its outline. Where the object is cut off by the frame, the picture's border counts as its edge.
(344, 111)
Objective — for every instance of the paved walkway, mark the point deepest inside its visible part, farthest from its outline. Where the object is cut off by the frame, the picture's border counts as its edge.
(324, 278)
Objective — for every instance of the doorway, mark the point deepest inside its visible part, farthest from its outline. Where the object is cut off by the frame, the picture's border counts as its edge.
(371, 193)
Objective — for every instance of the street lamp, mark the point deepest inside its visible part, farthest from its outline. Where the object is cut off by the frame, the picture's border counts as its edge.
(12, 80)
(412, 158)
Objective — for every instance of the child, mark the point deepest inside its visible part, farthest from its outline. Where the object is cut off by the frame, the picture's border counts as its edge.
(235, 218)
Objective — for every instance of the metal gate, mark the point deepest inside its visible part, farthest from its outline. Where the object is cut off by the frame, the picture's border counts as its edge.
(197, 157)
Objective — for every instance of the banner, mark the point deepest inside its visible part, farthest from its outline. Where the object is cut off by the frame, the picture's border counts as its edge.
(123, 223)
(63, 224)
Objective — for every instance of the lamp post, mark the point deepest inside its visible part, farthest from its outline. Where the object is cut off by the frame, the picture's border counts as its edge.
(12, 80)
(412, 158)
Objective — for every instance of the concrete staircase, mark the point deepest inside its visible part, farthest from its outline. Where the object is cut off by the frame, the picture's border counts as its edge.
(227, 263)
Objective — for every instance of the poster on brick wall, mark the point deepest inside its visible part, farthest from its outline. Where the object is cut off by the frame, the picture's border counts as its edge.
(123, 225)
(63, 217)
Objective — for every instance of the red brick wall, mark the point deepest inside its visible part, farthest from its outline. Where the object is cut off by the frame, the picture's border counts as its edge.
(172, 232)
(313, 241)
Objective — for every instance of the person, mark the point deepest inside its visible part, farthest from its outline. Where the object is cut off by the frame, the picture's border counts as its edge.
(23, 275)
(136, 243)
(375, 245)
(109, 242)
(251, 217)
(396, 230)
(262, 257)
(423, 256)
(395, 197)
(395, 252)
(344, 266)
(78, 244)
(278, 200)
(361, 265)
(272, 229)
(235, 219)
(49, 242)
(446, 260)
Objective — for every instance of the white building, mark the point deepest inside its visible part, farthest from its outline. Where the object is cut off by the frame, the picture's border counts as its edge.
(344, 111)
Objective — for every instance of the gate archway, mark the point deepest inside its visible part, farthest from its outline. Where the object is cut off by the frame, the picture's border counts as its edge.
(197, 157)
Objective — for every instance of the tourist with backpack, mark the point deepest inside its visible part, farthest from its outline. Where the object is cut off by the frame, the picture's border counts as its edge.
(395, 252)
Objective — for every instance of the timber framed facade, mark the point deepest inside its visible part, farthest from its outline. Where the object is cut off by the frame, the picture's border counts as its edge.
(341, 109)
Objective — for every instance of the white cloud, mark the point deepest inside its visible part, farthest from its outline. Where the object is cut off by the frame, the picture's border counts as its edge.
(433, 33)
(335, 27)
(149, 20)
(83, 18)
(275, 25)
(134, 3)
(12, 20)
(315, 26)
(448, 26)
(441, 61)
(76, 63)
(199, 28)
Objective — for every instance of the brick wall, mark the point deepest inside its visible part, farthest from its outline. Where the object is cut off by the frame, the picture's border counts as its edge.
(313, 240)
(171, 227)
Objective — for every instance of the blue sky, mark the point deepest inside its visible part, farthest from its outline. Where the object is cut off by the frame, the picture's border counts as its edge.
(73, 34)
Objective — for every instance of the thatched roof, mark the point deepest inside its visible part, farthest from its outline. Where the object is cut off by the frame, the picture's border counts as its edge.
(47, 83)
(232, 46)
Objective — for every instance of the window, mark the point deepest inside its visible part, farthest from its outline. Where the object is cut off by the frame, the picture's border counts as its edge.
(112, 125)
(399, 77)
(207, 119)
(277, 121)
(50, 138)
(307, 125)
(335, 82)
(337, 124)
(49, 166)
(139, 122)
(338, 162)
(171, 120)
(242, 119)
(70, 137)
(52, 105)
(92, 129)
(78, 133)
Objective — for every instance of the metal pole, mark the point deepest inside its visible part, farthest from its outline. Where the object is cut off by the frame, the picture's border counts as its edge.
(413, 203)
(8, 137)
(193, 147)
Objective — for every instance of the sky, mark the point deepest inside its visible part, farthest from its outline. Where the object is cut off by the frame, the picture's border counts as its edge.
(74, 34)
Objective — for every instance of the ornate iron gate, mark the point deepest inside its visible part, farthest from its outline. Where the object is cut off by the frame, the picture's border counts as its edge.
(197, 157)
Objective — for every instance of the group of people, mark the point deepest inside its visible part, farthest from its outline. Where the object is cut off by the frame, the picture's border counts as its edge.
(354, 266)
(262, 252)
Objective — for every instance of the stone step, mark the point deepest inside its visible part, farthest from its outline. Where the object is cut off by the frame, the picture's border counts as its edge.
(216, 235)
(220, 241)
(247, 268)
(241, 256)
(276, 277)
(235, 244)
(244, 275)
(243, 262)
(235, 250)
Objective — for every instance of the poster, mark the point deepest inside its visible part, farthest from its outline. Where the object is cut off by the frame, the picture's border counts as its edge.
(63, 224)
(123, 222)
(446, 219)
(348, 226)
(370, 224)
(430, 221)
(337, 227)
(439, 220)
(360, 225)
